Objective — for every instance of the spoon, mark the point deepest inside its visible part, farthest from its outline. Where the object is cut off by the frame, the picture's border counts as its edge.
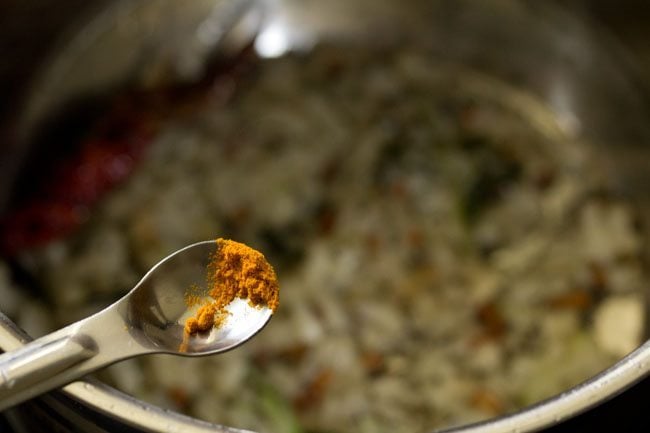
(149, 319)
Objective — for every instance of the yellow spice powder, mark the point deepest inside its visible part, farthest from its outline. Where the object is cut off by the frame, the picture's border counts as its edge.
(234, 271)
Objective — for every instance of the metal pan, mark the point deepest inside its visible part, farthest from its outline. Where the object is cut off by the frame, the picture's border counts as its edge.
(580, 79)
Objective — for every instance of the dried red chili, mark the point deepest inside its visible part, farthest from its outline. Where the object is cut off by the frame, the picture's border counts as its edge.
(109, 155)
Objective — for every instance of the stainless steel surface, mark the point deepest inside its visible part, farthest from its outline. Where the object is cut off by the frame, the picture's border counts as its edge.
(596, 390)
(104, 408)
(149, 319)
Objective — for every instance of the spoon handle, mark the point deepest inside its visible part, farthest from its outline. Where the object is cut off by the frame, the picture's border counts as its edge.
(37, 366)
(63, 356)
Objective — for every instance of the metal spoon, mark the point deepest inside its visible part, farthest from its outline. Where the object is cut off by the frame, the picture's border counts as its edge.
(149, 319)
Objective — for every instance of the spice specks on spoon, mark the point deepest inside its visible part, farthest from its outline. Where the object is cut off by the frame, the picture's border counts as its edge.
(235, 271)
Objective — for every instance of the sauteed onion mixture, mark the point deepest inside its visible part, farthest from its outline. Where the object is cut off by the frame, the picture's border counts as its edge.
(447, 252)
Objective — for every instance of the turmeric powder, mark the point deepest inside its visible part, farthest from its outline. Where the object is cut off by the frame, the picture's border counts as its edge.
(234, 271)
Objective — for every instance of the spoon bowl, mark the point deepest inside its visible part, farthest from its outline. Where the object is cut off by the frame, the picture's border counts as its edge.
(148, 319)
(155, 310)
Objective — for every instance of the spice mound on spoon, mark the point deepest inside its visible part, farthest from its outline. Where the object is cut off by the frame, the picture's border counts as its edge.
(236, 272)
(203, 299)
